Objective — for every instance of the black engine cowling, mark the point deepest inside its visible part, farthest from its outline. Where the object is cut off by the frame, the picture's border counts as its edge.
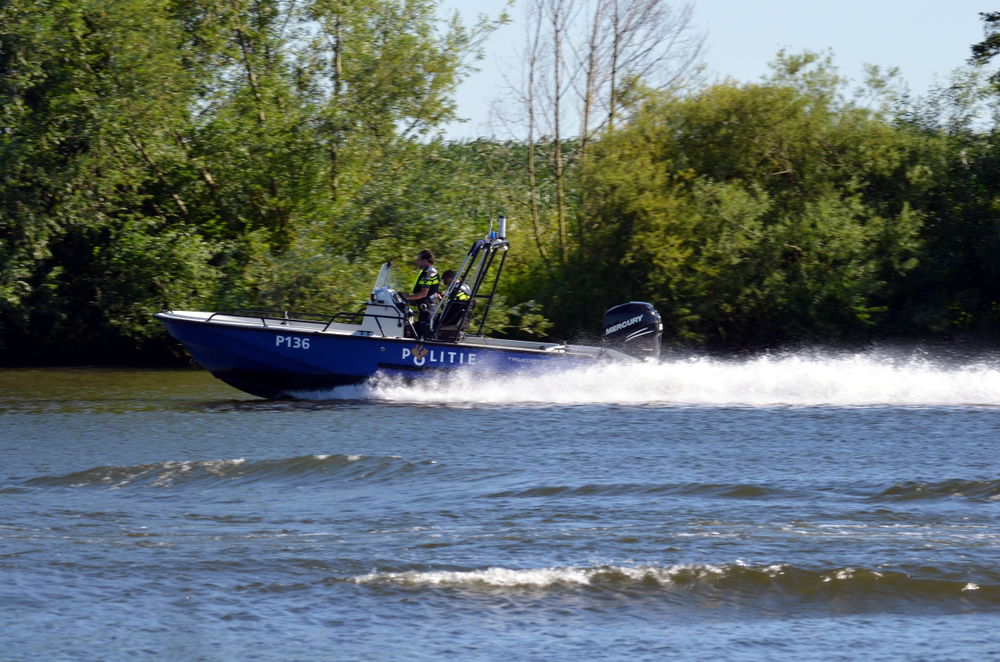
(635, 329)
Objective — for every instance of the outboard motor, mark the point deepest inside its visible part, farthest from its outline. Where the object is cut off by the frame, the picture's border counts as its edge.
(635, 329)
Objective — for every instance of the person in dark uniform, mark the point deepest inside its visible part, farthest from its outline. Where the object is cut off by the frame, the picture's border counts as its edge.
(425, 291)
(460, 295)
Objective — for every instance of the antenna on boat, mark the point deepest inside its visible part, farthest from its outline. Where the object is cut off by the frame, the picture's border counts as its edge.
(502, 234)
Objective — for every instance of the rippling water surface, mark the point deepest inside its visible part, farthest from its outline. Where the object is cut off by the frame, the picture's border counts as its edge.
(793, 508)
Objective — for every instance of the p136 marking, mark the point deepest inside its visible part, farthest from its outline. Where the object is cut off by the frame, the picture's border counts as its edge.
(292, 342)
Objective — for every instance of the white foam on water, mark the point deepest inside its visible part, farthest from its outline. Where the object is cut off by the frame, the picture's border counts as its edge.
(803, 380)
(169, 471)
(541, 577)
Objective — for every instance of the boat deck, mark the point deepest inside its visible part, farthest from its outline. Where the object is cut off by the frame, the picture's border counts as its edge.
(328, 327)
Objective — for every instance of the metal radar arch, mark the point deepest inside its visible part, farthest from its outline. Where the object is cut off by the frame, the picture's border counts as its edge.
(452, 316)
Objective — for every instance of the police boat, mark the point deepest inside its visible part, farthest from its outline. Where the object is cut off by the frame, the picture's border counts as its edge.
(284, 354)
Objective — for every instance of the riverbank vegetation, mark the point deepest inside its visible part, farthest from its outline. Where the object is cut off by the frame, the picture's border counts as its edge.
(216, 154)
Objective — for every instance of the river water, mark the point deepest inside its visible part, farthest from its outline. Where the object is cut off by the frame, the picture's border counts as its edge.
(793, 508)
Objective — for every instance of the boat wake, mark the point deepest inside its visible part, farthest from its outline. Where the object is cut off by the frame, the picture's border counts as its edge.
(789, 380)
(738, 580)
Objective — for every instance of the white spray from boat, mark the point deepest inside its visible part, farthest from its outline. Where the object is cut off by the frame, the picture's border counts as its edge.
(863, 379)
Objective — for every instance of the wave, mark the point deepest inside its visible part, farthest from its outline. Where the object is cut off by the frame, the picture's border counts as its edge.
(975, 490)
(794, 379)
(735, 579)
(220, 473)
(980, 490)
(339, 467)
(730, 491)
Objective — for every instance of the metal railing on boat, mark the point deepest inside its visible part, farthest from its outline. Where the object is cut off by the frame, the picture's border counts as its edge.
(283, 317)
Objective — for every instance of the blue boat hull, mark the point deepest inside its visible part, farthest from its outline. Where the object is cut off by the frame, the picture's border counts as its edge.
(276, 362)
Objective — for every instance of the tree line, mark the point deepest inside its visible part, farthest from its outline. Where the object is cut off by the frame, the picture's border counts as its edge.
(217, 154)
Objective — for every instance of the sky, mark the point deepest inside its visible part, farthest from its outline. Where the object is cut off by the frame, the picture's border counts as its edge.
(924, 38)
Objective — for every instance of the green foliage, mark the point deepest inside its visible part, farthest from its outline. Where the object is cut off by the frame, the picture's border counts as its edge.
(752, 212)
(219, 153)
(956, 286)
(989, 47)
(215, 154)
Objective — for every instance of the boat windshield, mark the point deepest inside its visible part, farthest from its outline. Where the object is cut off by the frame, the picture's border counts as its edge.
(387, 277)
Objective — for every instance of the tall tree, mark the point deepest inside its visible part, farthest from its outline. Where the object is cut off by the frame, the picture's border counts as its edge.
(989, 47)
(173, 151)
(97, 207)
(750, 213)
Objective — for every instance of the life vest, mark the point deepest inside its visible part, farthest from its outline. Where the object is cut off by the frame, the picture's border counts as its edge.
(428, 278)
